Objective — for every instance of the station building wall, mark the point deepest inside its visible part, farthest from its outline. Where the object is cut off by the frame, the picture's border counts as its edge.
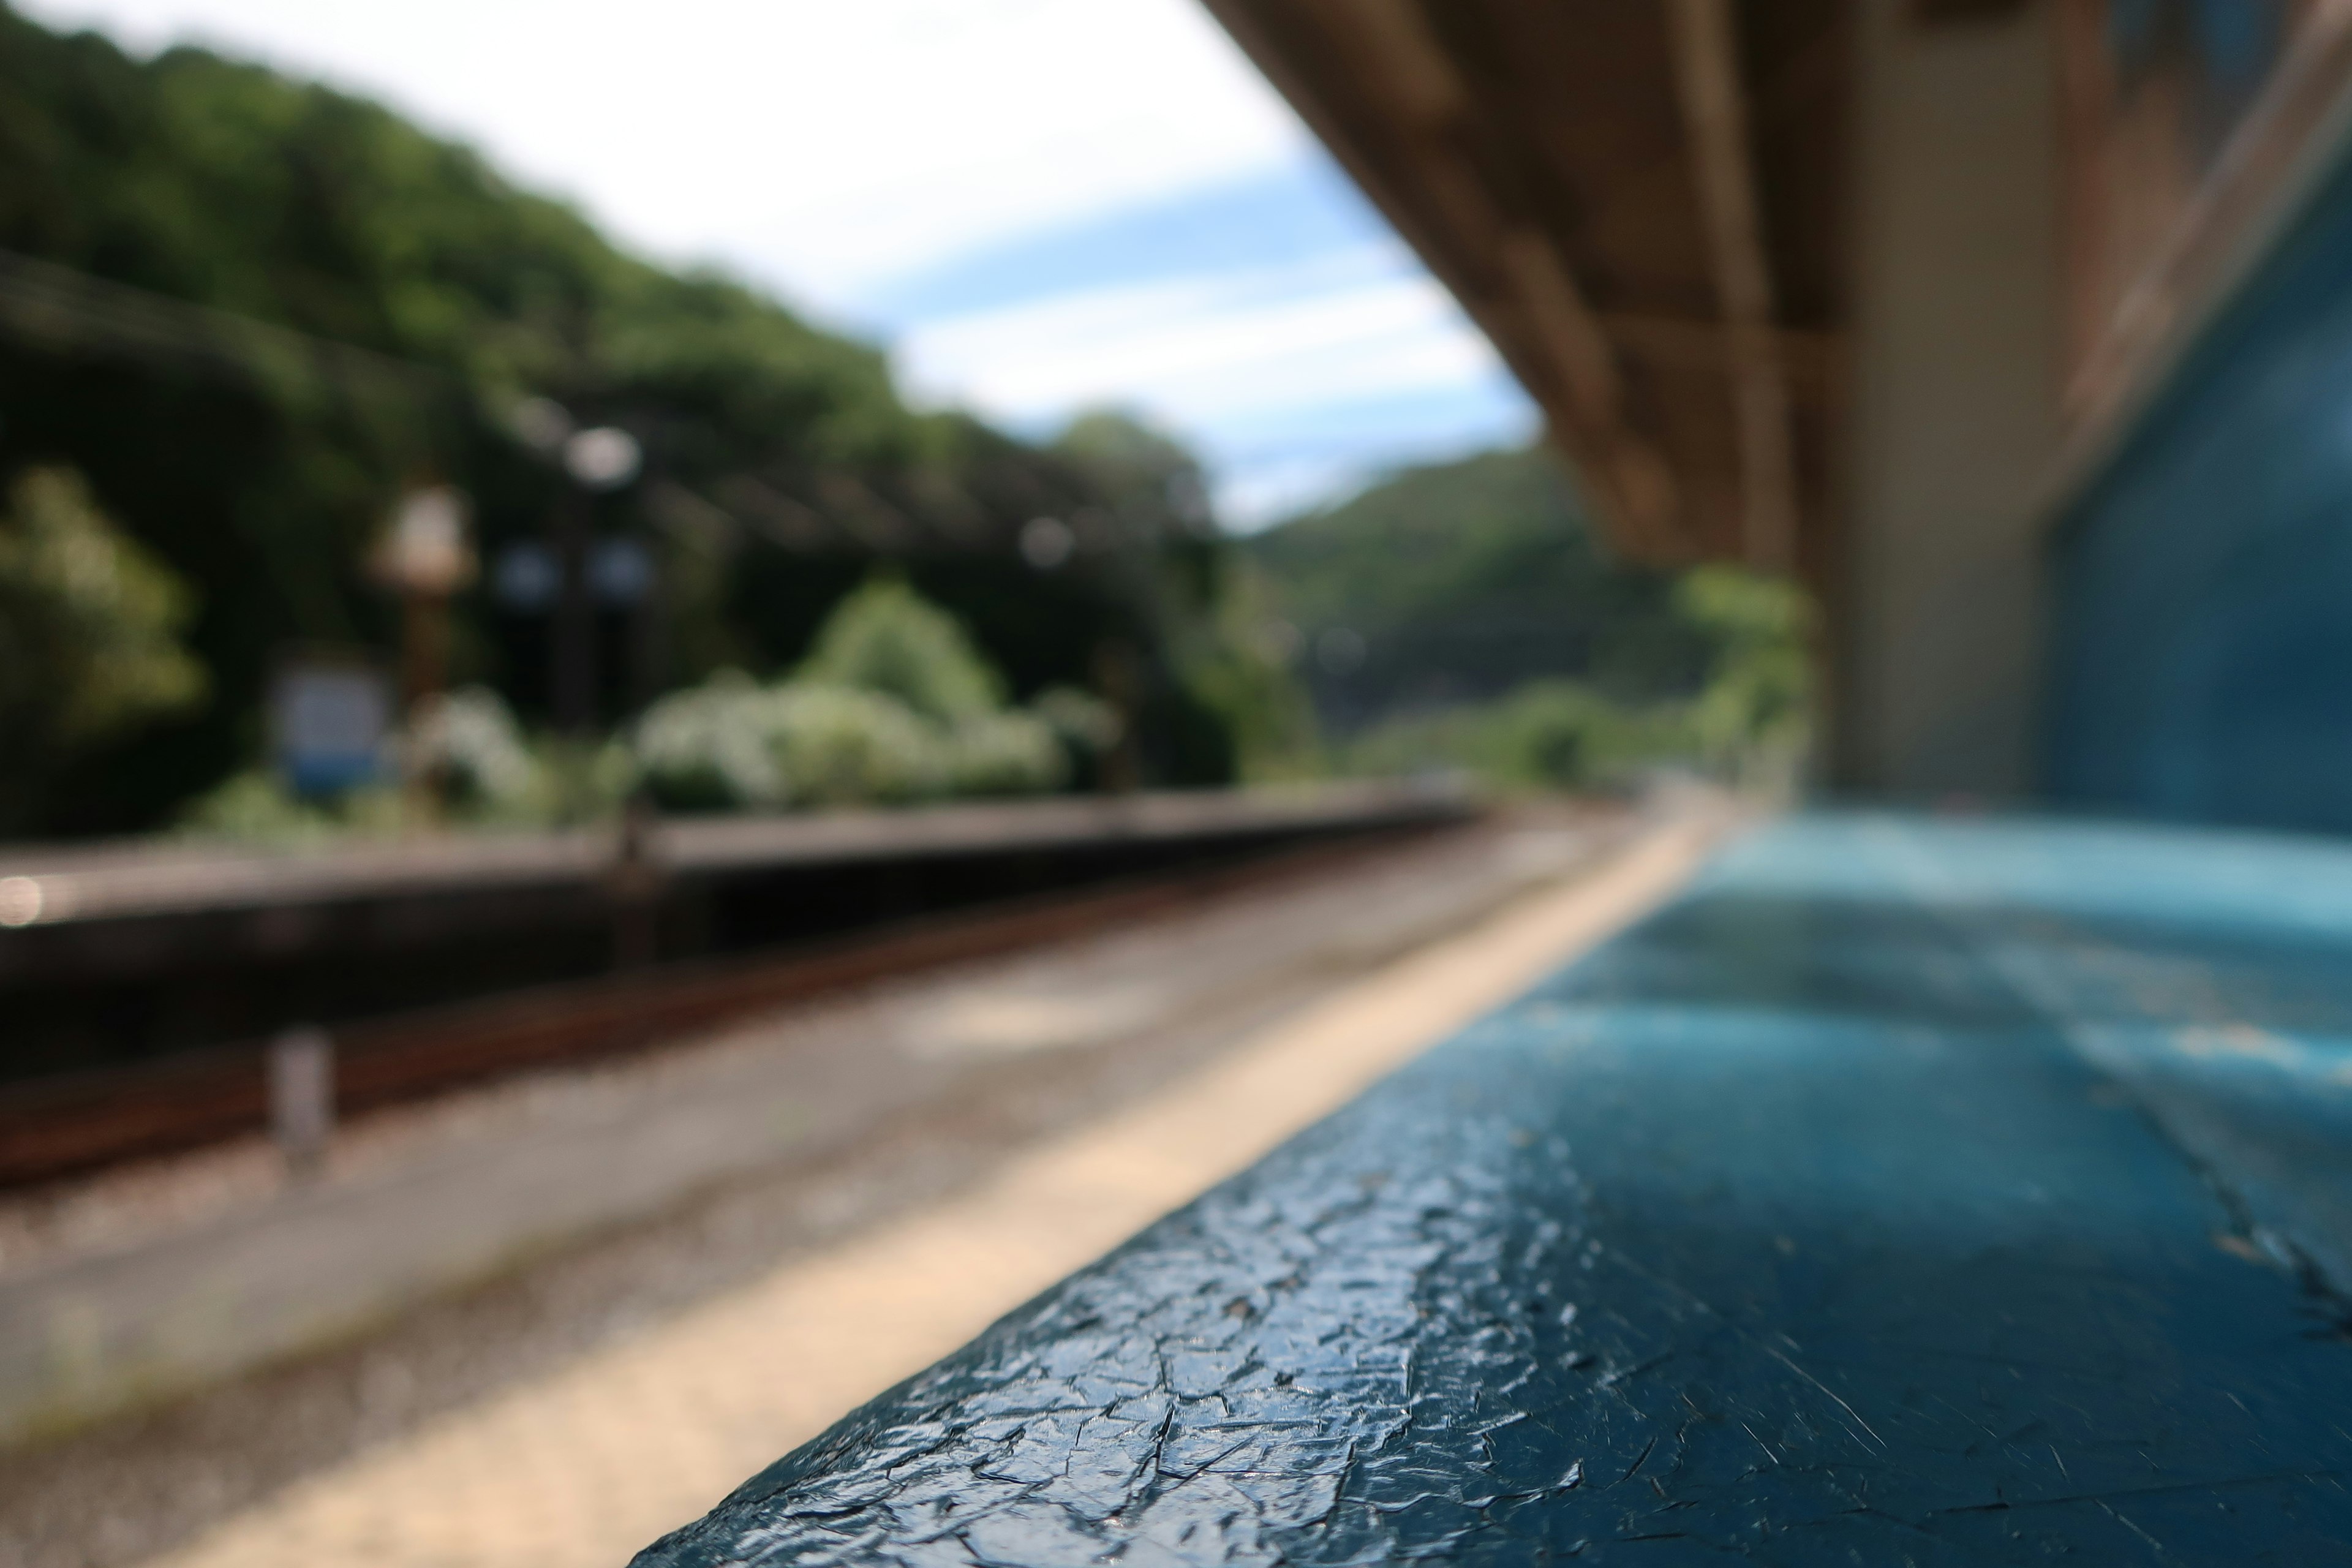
(2201, 629)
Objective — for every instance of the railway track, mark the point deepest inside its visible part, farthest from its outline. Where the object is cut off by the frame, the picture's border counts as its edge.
(65, 1126)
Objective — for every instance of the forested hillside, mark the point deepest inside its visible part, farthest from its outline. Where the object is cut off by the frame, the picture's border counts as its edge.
(1455, 581)
(780, 464)
(1466, 613)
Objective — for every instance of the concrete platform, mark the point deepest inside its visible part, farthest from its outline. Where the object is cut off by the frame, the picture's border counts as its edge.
(1907, 1193)
(50, 888)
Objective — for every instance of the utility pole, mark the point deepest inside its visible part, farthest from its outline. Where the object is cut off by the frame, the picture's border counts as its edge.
(572, 624)
(593, 462)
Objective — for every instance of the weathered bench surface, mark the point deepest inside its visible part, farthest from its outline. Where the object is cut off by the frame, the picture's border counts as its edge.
(1907, 1193)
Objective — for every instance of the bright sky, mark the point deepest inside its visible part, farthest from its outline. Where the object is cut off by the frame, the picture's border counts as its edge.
(1039, 204)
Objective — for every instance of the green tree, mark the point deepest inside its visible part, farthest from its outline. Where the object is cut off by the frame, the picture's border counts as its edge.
(1154, 484)
(89, 638)
(885, 637)
(1218, 699)
(1753, 715)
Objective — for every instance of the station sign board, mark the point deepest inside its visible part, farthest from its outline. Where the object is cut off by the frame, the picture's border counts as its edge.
(330, 722)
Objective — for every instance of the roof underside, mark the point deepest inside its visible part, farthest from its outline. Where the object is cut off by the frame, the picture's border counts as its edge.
(1639, 204)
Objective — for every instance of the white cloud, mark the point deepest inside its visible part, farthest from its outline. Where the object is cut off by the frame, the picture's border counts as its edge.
(1264, 494)
(817, 144)
(1207, 349)
(1279, 374)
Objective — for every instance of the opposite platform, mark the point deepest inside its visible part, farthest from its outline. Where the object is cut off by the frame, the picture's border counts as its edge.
(1906, 1193)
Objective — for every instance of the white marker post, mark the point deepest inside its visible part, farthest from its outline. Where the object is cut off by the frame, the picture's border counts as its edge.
(302, 1098)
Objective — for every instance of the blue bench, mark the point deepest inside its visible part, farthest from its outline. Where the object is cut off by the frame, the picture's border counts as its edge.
(1908, 1192)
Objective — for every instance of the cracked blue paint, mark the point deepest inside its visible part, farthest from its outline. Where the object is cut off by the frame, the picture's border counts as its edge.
(1906, 1193)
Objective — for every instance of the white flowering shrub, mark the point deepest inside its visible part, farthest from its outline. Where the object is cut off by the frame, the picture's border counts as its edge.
(709, 748)
(894, 705)
(837, 746)
(468, 742)
(1006, 753)
(734, 745)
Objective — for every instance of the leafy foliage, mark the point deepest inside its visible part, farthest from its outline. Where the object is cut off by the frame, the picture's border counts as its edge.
(88, 636)
(468, 744)
(733, 744)
(1543, 735)
(256, 807)
(1240, 664)
(1755, 708)
(885, 638)
(894, 704)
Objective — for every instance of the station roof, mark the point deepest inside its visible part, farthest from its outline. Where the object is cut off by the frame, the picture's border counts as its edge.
(1640, 205)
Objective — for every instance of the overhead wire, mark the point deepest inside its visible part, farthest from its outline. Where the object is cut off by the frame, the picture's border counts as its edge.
(61, 307)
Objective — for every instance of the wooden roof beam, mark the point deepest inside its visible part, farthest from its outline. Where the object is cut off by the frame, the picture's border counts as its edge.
(1531, 309)
(1587, 367)
(1808, 359)
(1707, 80)
(1578, 376)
